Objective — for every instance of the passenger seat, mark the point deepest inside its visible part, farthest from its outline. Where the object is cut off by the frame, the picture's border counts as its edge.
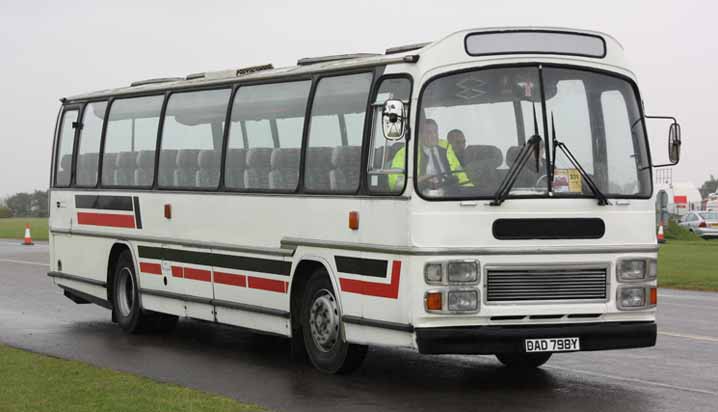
(481, 163)
(256, 176)
(235, 167)
(87, 169)
(125, 166)
(145, 168)
(208, 173)
(186, 173)
(166, 170)
(316, 172)
(346, 163)
(108, 169)
(285, 169)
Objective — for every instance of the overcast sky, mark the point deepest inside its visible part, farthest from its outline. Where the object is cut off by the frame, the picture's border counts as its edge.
(51, 49)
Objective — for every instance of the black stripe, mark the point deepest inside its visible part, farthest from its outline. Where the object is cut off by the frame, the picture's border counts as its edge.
(378, 323)
(366, 267)
(138, 214)
(103, 202)
(275, 267)
(68, 276)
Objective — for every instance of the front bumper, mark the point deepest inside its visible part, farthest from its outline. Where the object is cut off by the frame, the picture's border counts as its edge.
(488, 340)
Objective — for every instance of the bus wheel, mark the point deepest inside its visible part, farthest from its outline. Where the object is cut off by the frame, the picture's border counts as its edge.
(523, 360)
(322, 329)
(126, 303)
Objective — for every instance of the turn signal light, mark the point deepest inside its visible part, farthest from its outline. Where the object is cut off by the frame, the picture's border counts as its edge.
(354, 220)
(432, 301)
(654, 296)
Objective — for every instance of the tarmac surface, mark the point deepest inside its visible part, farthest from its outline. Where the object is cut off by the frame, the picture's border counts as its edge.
(680, 373)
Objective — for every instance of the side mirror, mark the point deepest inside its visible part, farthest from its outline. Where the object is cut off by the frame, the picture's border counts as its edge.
(674, 143)
(393, 119)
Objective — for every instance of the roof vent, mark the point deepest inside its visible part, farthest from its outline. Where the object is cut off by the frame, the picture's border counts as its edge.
(406, 48)
(306, 61)
(253, 69)
(155, 81)
(194, 76)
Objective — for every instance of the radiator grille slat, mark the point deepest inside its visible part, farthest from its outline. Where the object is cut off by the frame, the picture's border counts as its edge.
(507, 285)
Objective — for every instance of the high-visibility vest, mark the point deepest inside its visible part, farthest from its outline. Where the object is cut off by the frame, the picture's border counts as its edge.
(454, 164)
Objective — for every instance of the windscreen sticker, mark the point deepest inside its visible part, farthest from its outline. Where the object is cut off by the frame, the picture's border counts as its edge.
(567, 181)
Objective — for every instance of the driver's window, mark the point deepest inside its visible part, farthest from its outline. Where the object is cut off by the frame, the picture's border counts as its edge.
(387, 158)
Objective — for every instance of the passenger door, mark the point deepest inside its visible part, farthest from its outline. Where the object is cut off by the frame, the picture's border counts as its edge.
(61, 198)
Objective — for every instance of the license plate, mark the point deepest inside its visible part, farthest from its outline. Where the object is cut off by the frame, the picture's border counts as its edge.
(552, 345)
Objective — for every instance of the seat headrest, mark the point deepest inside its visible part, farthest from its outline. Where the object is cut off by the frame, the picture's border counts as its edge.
(187, 158)
(511, 154)
(89, 159)
(126, 160)
(346, 155)
(208, 159)
(237, 158)
(259, 157)
(66, 162)
(487, 156)
(285, 159)
(146, 159)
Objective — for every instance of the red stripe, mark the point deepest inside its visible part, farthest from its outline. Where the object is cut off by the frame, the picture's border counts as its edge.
(267, 284)
(151, 268)
(177, 271)
(198, 274)
(230, 279)
(381, 290)
(106, 219)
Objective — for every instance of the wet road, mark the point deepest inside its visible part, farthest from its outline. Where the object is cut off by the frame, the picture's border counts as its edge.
(680, 373)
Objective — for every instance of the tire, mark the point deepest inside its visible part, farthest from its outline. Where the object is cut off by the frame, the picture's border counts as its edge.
(126, 309)
(322, 329)
(523, 360)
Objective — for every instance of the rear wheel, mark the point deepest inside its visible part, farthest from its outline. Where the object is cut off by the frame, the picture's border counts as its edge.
(322, 329)
(523, 360)
(126, 303)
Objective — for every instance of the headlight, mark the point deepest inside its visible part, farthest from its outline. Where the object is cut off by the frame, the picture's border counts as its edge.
(433, 273)
(463, 271)
(635, 297)
(463, 301)
(631, 270)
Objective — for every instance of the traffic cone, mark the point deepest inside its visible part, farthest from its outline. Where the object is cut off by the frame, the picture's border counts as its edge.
(28, 237)
(661, 237)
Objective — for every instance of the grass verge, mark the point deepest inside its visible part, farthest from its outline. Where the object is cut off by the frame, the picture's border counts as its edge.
(32, 382)
(689, 265)
(14, 227)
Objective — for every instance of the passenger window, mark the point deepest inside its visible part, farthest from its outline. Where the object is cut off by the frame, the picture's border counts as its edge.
(192, 136)
(128, 158)
(65, 143)
(333, 156)
(386, 167)
(265, 137)
(89, 145)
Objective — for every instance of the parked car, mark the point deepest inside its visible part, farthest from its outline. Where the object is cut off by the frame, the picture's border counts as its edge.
(704, 224)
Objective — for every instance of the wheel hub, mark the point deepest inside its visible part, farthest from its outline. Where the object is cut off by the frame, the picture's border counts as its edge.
(324, 320)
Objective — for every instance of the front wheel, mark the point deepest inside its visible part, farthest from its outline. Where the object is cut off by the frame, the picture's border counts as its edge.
(322, 329)
(523, 360)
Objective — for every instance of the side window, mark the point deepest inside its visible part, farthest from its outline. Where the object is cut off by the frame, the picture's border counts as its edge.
(89, 147)
(128, 157)
(333, 155)
(265, 136)
(386, 167)
(621, 158)
(65, 143)
(192, 135)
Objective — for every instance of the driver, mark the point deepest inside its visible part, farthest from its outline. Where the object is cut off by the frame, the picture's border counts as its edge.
(437, 165)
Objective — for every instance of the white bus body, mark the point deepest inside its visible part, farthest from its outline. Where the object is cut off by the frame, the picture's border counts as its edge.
(547, 264)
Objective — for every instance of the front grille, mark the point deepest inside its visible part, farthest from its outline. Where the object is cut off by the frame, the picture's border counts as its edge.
(510, 285)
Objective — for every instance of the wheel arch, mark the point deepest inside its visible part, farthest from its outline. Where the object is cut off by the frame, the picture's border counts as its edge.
(305, 267)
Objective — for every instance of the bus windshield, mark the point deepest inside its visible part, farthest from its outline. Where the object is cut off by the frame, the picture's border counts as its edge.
(481, 119)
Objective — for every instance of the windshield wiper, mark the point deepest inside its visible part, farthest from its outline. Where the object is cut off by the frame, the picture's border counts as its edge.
(602, 199)
(533, 144)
